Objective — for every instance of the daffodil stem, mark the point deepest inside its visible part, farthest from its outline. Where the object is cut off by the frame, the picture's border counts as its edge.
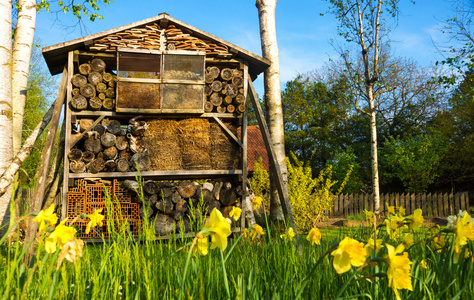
(224, 274)
(344, 287)
(180, 296)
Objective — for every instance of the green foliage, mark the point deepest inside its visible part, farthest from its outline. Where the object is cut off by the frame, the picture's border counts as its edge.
(310, 197)
(342, 162)
(260, 180)
(88, 8)
(414, 160)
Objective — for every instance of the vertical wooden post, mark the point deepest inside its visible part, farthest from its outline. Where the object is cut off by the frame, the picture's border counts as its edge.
(243, 134)
(282, 191)
(423, 204)
(67, 143)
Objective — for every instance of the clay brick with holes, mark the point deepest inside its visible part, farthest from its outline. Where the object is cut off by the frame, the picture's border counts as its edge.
(75, 204)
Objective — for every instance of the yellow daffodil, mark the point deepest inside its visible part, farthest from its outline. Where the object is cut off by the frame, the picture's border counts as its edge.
(390, 209)
(349, 252)
(438, 242)
(235, 213)
(423, 264)
(71, 251)
(245, 233)
(290, 234)
(46, 217)
(314, 236)
(416, 220)
(218, 229)
(369, 216)
(401, 211)
(464, 232)
(408, 240)
(370, 246)
(257, 230)
(96, 219)
(393, 224)
(398, 272)
(59, 237)
(202, 247)
(257, 202)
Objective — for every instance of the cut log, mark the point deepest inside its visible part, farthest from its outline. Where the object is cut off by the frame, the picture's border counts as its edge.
(93, 145)
(226, 74)
(77, 167)
(182, 206)
(214, 71)
(166, 192)
(108, 103)
(75, 154)
(207, 90)
(126, 154)
(237, 73)
(85, 124)
(184, 225)
(187, 189)
(241, 108)
(150, 187)
(79, 102)
(97, 165)
(88, 156)
(107, 77)
(79, 80)
(84, 69)
(123, 165)
(217, 189)
(114, 127)
(150, 200)
(227, 185)
(230, 108)
(146, 212)
(76, 91)
(164, 224)
(228, 197)
(95, 103)
(131, 185)
(208, 107)
(164, 205)
(221, 109)
(239, 99)
(111, 153)
(121, 142)
(238, 81)
(97, 65)
(140, 162)
(99, 128)
(112, 83)
(177, 215)
(231, 90)
(138, 128)
(216, 86)
(101, 87)
(213, 204)
(215, 99)
(207, 185)
(110, 166)
(108, 139)
(87, 90)
(208, 78)
(204, 195)
(175, 197)
(94, 78)
(110, 92)
(228, 100)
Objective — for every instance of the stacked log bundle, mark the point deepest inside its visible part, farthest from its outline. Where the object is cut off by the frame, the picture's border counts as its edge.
(176, 205)
(93, 87)
(224, 90)
(110, 147)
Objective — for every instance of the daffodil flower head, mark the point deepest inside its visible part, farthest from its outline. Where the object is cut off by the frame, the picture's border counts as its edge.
(438, 242)
(408, 240)
(218, 229)
(393, 224)
(46, 218)
(289, 235)
(416, 219)
(390, 209)
(399, 269)
(423, 264)
(369, 216)
(257, 202)
(401, 211)
(59, 237)
(95, 220)
(202, 246)
(256, 231)
(371, 246)
(235, 213)
(314, 236)
(349, 253)
(464, 232)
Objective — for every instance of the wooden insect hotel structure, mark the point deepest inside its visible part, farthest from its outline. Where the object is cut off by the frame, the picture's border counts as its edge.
(159, 99)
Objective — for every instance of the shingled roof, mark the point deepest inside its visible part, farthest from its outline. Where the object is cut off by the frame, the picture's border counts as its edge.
(56, 55)
(255, 148)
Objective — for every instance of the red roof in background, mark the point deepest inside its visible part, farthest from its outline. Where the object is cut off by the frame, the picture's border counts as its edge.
(255, 148)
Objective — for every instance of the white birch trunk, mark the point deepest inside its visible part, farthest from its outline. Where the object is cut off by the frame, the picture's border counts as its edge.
(266, 14)
(373, 149)
(23, 41)
(6, 111)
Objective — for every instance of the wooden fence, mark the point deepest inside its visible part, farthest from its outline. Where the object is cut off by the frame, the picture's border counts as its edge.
(433, 205)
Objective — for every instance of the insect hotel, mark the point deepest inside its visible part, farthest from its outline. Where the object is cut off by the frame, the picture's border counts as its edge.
(158, 100)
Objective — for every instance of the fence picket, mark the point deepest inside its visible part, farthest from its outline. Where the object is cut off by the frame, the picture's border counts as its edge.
(423, 205)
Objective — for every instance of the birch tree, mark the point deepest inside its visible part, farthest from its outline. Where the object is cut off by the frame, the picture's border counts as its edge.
(364, 23)
(273, 106)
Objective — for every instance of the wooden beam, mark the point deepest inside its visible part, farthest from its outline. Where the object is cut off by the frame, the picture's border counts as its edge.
(275, 166)
(228, 131)
(73, 143)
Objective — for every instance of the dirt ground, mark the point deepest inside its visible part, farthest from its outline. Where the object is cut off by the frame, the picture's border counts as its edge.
(334, 223)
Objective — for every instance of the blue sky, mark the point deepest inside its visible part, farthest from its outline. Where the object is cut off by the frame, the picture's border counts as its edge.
(303, 35)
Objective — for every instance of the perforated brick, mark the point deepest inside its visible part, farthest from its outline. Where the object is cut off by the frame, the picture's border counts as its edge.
(75, 204)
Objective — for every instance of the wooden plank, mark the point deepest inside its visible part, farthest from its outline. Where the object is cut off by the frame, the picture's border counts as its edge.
(370, 198)
(466, 195)
(413, 202)
(244, 168)
(336, 206)
(404, 203)
(440, 201)
(451, 204)
(462, 203)
(227, 130)
(350, 210)
(397, 200)
(82, 134)
(282, 191)
(356, 205)
(423, 205)
(341, 205)
(160, 174)
(446, 205)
